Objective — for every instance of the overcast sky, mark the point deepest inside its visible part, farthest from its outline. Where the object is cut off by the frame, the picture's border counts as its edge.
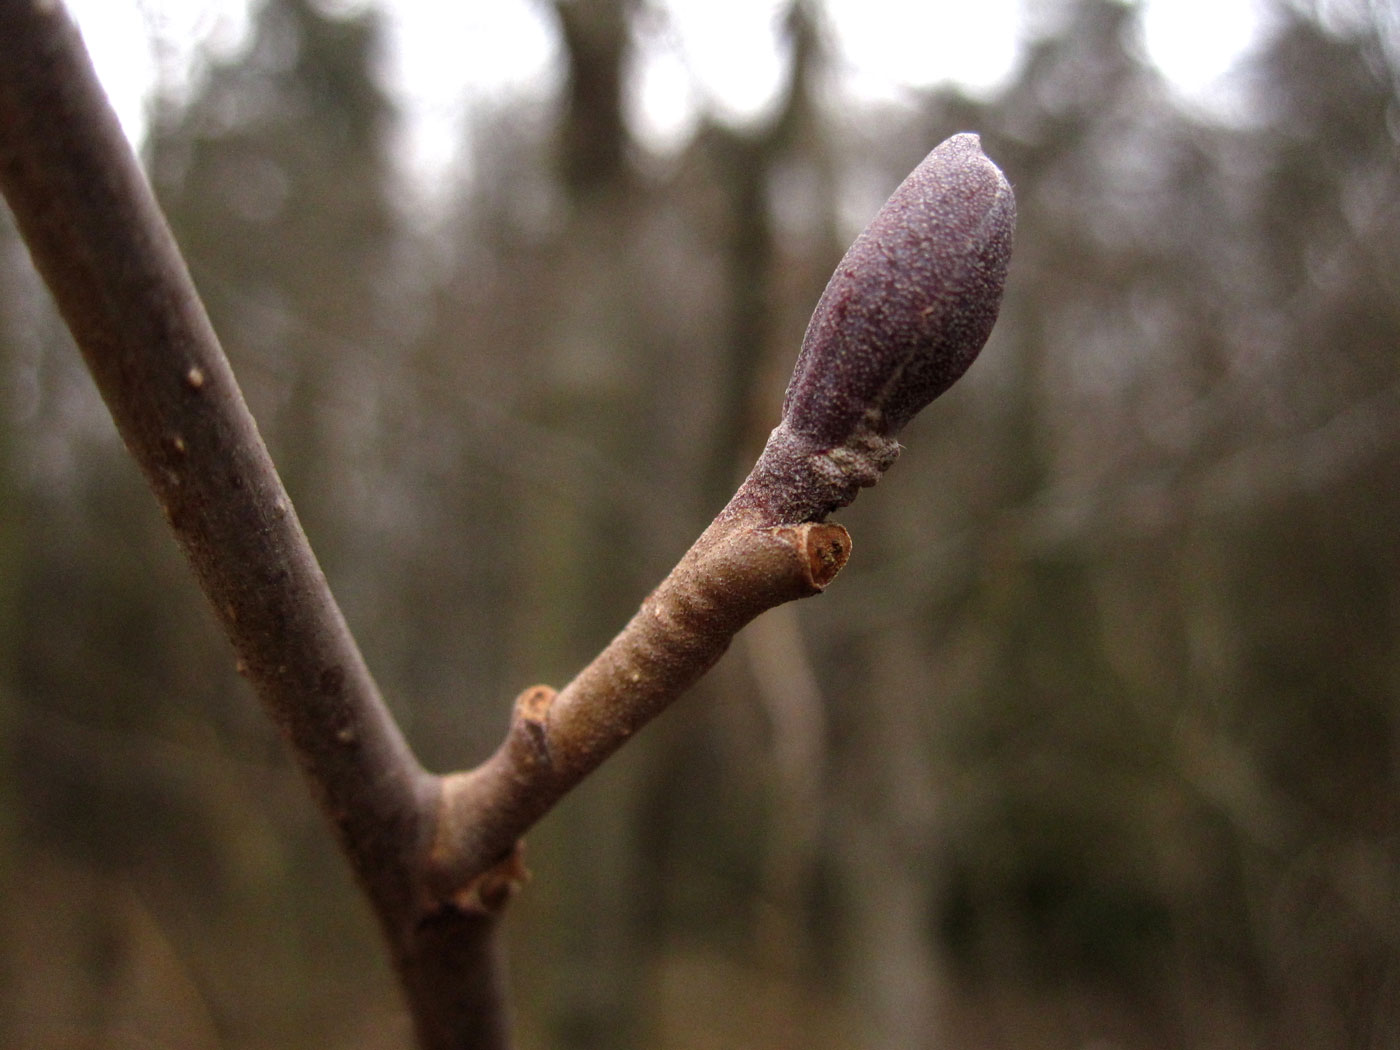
(720, 54)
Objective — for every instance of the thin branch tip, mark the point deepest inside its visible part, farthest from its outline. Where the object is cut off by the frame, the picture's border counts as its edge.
(827, 547)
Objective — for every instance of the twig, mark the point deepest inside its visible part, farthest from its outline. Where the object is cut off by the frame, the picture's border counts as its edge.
(906, 312)
(96, 234)
(98, 238)
(438, 857)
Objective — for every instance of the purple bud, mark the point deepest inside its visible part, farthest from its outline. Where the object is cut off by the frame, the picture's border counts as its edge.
(912, 302)
(906, 312)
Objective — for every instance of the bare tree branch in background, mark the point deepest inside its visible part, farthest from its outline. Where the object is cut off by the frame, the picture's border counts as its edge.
(907, 311)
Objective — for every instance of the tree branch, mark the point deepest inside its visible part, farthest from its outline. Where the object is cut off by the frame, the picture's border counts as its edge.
(905, 314)
(98, 237)
(96, 234)
(438, 857)
(739, 567)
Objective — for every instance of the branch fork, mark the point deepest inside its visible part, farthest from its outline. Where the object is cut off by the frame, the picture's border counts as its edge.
(439, 857)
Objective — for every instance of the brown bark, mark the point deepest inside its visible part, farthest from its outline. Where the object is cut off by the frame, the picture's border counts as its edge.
(97, 236)
(739, 568)
(438, 857)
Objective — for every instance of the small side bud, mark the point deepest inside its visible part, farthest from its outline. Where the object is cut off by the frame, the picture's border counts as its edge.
(905, 314)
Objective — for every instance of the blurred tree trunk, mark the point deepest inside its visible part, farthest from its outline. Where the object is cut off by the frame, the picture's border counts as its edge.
(11, 553)
(593, 141)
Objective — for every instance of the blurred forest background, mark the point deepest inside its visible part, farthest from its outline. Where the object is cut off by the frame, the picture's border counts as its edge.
(1095, 743)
